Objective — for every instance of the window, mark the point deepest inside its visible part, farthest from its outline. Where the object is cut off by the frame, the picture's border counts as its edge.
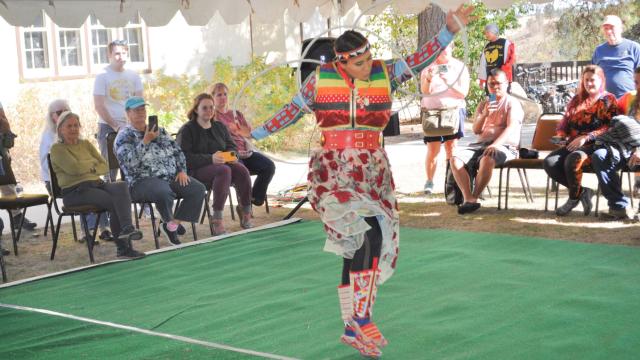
(70, 47)
(100, 39)
(48, 51)
(132, 34)
(36, 53)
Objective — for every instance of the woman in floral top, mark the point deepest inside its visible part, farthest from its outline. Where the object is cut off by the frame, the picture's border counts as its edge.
(155, 168)
(588, 115)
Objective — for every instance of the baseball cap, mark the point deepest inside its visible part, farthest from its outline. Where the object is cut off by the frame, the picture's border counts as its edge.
(612, 20)
(134, 102)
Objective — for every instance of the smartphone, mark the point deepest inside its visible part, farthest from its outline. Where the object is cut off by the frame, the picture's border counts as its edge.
(153, 123)
(491, 97)
(442, 69)
(558, 140)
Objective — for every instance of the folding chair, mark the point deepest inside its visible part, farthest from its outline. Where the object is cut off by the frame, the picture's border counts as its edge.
(208, 200)
(2, 264)
(545, 129)
(81, 211)
(10, 201)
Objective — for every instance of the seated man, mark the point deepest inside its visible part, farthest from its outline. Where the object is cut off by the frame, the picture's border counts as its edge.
(619, 145)
(497, 124)
(155, 168)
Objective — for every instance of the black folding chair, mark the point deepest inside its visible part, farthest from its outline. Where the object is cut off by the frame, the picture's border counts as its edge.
(11, 202)
(81, 211)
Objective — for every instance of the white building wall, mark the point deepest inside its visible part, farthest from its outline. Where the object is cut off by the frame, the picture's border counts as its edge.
(9, 76)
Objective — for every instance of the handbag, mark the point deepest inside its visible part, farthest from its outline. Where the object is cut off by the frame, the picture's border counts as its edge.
(440, 122)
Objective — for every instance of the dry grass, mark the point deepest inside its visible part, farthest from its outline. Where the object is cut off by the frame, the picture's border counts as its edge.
(415, 211)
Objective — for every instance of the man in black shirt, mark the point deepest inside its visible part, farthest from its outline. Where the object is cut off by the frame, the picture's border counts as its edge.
(498, 53)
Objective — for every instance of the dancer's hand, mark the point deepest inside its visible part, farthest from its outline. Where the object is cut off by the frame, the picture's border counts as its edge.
(463, 13)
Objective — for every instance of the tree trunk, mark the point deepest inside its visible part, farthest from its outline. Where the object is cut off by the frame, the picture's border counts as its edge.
(429, 23)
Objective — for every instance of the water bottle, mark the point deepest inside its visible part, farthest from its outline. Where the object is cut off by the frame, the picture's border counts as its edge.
(19, 190)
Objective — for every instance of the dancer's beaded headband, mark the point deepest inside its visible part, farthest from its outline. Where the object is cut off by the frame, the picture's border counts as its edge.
(341, 56)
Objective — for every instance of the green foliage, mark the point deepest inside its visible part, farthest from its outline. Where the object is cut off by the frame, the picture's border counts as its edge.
(27, 119)
(506, 19)
(396, 32)
(171, 98)
(402, 32)
(578, 27)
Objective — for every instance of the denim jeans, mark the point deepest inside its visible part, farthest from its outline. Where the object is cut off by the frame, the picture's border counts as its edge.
(606, 162)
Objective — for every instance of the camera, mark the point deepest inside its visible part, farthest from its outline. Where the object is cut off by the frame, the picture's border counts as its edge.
(442, 69)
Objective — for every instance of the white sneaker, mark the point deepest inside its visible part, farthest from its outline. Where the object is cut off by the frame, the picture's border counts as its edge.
(428, 187)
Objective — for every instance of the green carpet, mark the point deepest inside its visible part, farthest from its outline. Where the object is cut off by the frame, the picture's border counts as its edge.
(455, 295)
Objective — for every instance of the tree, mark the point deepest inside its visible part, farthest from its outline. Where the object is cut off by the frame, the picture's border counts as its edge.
(578, 27)
(431, 20)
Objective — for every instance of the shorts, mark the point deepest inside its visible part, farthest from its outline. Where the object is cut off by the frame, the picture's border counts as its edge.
(472, 154)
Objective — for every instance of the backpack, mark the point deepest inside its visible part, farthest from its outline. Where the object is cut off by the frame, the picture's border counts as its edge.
(452, 192)
(623, 133)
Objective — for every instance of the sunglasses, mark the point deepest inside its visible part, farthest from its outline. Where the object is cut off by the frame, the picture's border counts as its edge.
(59, 112)
(118, 43)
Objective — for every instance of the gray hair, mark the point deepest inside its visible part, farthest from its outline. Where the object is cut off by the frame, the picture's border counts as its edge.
(55, 105)
(63, 119)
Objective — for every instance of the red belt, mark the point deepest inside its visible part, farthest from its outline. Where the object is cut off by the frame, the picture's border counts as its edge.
(351, 139)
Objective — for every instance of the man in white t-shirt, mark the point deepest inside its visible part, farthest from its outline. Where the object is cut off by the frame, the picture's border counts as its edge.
(111, 89)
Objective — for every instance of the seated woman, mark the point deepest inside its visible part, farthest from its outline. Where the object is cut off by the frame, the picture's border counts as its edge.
(203, 140)
(588, 115)
(78, 166)
(155, 168)
(257, 163)
(47, 139)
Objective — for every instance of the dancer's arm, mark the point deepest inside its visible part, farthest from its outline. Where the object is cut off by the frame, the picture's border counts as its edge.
(429, 51)
(289, 114)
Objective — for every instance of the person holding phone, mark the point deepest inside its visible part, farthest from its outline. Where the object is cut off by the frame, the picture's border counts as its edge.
(445, 84)
(207, 146)
(588, 115)
(156, 171)
(497, 123)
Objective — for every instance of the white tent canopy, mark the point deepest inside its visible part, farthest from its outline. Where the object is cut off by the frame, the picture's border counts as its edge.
(116, 13)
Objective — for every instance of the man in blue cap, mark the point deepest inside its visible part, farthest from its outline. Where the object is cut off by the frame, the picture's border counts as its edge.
(498, 53)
